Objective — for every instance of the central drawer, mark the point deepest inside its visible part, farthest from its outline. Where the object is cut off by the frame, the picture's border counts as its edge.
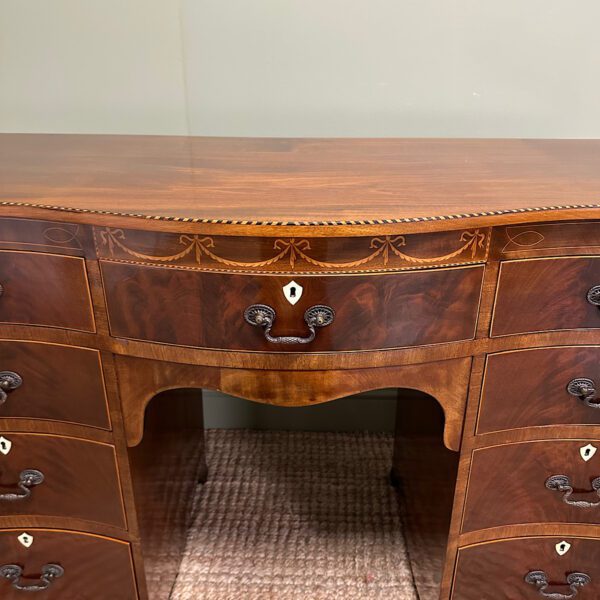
(201, 309)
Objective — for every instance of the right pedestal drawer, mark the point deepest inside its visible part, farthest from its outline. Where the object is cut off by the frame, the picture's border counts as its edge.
(62, 565)
(529, 568)
(552, 481)
(540, 387)
(547, 294)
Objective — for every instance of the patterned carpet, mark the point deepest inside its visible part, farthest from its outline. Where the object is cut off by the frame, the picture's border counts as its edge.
(301, 515)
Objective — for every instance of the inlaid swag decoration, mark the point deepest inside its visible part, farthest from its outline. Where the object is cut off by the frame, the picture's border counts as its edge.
(338, 255)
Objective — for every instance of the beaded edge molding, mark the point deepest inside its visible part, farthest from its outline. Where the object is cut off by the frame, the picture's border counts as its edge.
(490, 213)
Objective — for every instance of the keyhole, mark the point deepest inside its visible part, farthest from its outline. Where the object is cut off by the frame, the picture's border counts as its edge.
(562, 547)
(587, 451)
(3, 445)
(25, 539)
(292, 292)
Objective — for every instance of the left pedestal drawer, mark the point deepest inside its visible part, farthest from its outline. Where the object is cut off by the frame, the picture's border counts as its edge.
(52, 382)
(59, 476)
(63, 565)
(45, 289)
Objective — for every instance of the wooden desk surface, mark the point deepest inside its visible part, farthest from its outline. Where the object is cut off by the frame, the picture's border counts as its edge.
(295, 272)
(297, 181)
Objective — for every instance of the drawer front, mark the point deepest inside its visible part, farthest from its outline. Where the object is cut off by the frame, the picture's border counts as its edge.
(57, 383)
(546, 294)
(93, 567)
(498, 570)
(508, 484)
(79, 478)
(526, 388)
(191, 308)
(45, 289)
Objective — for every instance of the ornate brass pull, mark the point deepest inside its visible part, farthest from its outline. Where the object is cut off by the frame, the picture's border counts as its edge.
(261, 315)
(49, 573)
(9, 381)
(27, 479)
(561, 483)
(593, 295)
(584, 389)
(575, 581)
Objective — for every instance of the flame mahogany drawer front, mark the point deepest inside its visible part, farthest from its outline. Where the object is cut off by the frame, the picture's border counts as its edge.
(45, 289)
(534, 482)
(64, 566)
(191, 308)
(60, 477)
(540, 387)
(52, 382)
(547, 294)
(528, 568)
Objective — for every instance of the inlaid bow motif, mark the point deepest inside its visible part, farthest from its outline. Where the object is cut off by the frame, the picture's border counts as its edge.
(293, 250)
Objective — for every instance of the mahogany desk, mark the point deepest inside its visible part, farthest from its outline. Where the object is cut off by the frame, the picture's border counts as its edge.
(294, 272)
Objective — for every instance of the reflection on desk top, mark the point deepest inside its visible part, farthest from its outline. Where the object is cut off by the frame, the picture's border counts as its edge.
(300, 181)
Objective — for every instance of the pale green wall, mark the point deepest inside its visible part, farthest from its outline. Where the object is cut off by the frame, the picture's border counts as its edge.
(470, 68)
(514, 68)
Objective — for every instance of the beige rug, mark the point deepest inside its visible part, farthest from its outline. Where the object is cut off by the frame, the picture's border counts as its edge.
(296, 516)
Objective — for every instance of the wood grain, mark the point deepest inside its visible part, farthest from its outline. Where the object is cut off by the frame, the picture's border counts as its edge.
(359, 224)
(296, 180)
(293, 255)
(545, 294)
(528, 388)
(45, 289)
(507, 484)
(140, 380)
(45, 236)
(96, 568)
(496, 571)
(80, 478)
(167, 466)
(547, 239)
(188, 308)
(55, 380)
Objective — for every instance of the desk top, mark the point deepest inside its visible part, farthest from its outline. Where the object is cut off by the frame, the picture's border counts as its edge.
(298, 181)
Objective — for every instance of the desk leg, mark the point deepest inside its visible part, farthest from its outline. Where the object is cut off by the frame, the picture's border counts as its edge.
(166, 467)
(417, 416)
(424, 472)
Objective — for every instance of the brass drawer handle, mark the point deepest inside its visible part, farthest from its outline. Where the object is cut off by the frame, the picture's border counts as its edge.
(261, 315)
(13, 573)
(561, 483)
(574, 581)
(27, 479)
(593, 295)
(584, 389)
(9, 381)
